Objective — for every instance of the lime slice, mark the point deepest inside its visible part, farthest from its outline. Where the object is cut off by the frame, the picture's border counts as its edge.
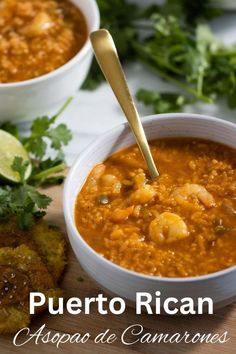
(10, 147)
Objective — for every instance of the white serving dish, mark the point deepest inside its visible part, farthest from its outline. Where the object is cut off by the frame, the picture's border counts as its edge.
(44, 94)
(220, 286)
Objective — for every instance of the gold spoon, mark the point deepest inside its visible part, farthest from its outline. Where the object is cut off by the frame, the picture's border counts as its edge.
(107, 57)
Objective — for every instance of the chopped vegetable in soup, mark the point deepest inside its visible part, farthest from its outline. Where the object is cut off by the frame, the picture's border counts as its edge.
(37, 37)
(181, 224)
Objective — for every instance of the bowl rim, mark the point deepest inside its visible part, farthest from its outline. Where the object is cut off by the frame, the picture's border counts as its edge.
(69, 217)
(61, 69)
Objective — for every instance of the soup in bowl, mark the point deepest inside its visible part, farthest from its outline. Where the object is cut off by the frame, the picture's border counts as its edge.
(175, 234)
(45, 54)
(37, 37)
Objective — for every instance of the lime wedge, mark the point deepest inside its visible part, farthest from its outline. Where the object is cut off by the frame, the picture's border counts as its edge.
(10, 147)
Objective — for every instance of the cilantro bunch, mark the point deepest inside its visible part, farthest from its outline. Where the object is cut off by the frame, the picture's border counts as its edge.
(190, 58)
(175, 43)
(23, 201)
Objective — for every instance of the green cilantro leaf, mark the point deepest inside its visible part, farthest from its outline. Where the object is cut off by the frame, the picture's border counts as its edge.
(59, 136)
(20, 166)
(162, 102)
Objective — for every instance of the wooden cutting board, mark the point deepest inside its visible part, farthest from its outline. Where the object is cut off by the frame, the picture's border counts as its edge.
(77, 283)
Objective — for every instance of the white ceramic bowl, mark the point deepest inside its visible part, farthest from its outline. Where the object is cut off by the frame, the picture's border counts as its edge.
(31, 98)
(220, 286)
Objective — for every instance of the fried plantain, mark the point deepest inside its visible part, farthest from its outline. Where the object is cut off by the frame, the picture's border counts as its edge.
(21, 272)
(43, 238)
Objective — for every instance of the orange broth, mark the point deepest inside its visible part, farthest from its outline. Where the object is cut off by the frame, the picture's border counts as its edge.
(181, 224)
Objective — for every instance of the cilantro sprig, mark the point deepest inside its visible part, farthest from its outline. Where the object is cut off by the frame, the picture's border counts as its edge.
(23, 201)
(45, 134)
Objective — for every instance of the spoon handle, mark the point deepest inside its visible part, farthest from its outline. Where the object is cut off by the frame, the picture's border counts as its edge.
(107, 57)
